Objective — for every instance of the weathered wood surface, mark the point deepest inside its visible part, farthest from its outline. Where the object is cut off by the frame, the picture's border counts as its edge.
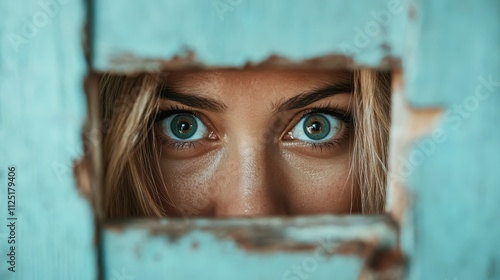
(135, 35)
(452, 66)
(42, 107)
(316, 247)
(450, 176)
(257, 33)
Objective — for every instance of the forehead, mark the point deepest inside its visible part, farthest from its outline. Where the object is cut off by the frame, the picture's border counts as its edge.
(255, 93)
(219, 81)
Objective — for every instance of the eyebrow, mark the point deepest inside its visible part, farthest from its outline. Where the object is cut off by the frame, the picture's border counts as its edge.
(193, 100)
(310, 97)
(296, 102)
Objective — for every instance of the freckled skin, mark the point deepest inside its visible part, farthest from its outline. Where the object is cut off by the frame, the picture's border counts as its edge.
(249, 169)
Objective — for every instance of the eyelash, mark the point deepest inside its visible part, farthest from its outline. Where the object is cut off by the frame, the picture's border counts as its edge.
(175, 109)
(167, 112)
(179, 145)
(328, 109)
(332, 110)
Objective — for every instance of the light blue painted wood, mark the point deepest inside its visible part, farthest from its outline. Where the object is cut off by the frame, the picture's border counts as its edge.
(454, 64)
(453, 231)
(133, 36)
(42, 107)
(230, 33)
(452, 51)
(321, 247)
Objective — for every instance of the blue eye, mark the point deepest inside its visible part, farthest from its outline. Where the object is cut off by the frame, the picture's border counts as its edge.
(317, 128)
(184, 127)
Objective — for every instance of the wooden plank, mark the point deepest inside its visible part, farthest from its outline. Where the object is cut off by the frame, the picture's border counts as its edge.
(321, 34)
(316, 247)
(42, 108)
(236, 33)
(451, 230)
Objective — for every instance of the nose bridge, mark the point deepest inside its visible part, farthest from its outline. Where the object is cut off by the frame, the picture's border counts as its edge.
(250, 189)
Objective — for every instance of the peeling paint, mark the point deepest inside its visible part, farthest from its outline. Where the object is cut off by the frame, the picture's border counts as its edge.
(277, 234)
(130, 64)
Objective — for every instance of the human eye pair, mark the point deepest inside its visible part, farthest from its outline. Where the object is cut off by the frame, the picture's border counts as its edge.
(319, 127)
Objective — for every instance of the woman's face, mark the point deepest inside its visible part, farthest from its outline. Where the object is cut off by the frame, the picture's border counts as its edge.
(257, 143)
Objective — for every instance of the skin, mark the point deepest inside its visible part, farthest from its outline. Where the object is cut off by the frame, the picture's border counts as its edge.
(247, 164)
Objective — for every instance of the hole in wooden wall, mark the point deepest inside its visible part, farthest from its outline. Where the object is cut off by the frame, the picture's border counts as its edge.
(280, 168)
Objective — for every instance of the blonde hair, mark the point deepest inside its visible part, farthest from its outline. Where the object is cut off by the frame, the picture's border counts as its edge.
(372, 106)
(133, 182)
(132, 176)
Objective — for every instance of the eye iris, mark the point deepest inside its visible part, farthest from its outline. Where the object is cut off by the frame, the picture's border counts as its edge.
(184, 126)
(316, 127)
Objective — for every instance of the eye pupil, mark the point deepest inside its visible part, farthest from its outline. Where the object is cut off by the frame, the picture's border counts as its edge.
(184, 126)
(316, 126)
